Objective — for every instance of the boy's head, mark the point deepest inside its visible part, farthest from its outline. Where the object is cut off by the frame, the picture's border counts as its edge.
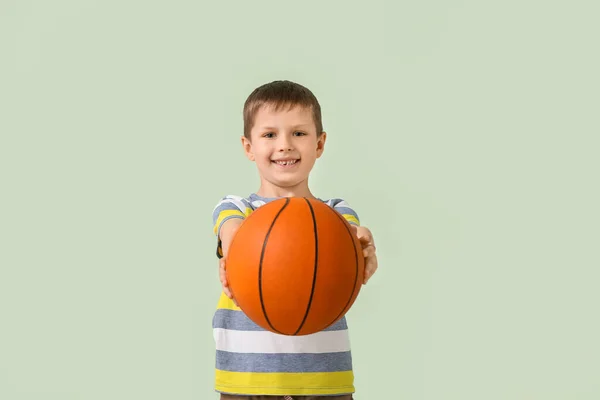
(283, 135)
(281, 95)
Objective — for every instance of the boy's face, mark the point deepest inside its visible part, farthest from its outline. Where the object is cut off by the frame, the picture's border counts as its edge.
(284, 145)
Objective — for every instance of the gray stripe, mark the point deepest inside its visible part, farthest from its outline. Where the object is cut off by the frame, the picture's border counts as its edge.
(227, 204)
(346, 210)
(256, 362)
(238, 321)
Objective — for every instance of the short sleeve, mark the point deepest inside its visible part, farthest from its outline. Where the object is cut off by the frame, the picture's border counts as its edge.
(227, 208)
(345, 210)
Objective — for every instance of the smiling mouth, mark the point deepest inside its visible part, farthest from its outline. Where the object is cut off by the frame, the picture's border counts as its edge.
(285, 163)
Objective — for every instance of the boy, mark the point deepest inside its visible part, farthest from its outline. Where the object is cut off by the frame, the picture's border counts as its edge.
(283, 135)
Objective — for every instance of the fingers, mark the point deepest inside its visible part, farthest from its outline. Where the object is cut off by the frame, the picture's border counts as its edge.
(223, 279)
(224, 282)
(364, 235)
(222, 272)
(369, 251)
(370, 268)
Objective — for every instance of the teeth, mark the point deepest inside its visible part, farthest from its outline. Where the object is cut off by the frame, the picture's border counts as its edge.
(286, 162)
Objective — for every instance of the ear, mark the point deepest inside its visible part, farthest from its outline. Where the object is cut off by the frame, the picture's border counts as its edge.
(247, 145)
(321, 144)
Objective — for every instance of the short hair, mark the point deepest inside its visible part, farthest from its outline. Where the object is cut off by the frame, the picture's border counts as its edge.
(280, 94)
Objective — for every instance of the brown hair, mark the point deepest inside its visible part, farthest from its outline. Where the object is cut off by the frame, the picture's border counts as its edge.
(280, 94)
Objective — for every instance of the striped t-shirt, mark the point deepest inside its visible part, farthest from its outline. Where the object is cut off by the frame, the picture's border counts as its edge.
(253, 361)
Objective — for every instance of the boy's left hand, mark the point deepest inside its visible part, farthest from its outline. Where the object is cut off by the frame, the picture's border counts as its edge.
(368, 244)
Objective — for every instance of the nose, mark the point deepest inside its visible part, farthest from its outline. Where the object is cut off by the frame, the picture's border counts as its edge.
(285, 143)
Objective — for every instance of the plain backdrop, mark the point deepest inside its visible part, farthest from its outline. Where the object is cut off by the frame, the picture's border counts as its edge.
(464, 133)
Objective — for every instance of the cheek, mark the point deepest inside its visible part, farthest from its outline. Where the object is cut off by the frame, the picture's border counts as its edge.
(262, 152)
(264, 157)
(310, 152)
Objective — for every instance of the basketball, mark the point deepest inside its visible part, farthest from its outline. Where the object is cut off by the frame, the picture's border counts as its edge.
(295, 266)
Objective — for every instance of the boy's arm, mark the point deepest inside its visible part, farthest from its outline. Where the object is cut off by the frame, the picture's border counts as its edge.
(227, 216)
(369, 252)
(228, 231)
(362, 233)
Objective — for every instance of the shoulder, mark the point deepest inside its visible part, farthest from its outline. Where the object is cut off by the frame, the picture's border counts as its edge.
(344, 208)
(232, 201)
(230, 206)
(336, 202)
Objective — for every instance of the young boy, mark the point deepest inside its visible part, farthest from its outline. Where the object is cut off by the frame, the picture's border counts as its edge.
(283, 135)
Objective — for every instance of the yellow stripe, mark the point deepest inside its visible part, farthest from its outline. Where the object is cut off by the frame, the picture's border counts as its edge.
(280, 384)
(351, 218)
(227, 213)
(226, 303)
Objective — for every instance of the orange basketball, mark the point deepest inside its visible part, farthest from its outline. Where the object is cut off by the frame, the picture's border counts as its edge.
(295, 266)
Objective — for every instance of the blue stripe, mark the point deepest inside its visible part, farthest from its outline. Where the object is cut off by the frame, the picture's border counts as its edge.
(257, 362)
(238, 321)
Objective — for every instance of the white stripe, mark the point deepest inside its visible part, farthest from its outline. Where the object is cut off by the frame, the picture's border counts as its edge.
(269, 342)
(237, 200)
(342, 203)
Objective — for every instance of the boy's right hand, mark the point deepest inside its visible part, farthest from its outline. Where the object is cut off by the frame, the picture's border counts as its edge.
(223, 279)
(228, 231)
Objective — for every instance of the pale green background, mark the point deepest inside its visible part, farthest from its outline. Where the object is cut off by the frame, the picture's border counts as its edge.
(464, 133)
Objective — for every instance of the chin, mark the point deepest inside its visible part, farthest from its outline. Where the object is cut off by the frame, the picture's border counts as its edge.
(285, 183)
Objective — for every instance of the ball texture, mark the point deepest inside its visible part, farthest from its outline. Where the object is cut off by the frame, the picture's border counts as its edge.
(295, 266)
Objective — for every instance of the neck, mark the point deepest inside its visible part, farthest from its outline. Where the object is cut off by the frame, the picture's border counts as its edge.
(267, 189)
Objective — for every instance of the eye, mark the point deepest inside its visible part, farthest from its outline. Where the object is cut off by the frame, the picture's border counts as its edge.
(269, 135)
(298, 133)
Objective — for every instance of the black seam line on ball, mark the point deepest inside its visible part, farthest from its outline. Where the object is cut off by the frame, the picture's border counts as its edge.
(260, 265)
(312, 290)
